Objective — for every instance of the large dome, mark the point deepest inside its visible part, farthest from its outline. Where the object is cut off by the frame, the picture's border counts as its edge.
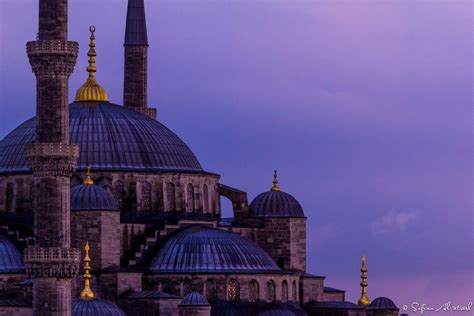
(111, 137)
(201, 249)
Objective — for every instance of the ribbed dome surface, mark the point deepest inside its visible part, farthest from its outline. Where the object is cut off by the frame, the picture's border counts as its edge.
(95, 307)
(275, 204)
(111, 137)
(382, 303)
(201, 249)
(194, 299)
(91, 197)
(11, 260)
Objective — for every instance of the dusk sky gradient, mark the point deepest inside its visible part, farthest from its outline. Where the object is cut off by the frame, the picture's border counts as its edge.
(364, 107)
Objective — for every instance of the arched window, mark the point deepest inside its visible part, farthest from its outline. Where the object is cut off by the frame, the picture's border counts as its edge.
(187, 287)
(9, 198)
(118, 193)
(32, 195)
(205, 197)
(132, 197)
(170, 197)
(253, 291)
(211, 289)
(284, 291)
(190, 198)
(271, 291)
(295, 291)
(281, 262)
(166, 286)
(146, 197)
(233, 291)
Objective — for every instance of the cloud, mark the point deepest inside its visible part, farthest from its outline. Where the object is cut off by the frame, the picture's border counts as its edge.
(392, 221)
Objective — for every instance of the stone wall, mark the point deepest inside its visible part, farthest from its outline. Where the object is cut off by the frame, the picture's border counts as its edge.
(312, 289)
(16, 310)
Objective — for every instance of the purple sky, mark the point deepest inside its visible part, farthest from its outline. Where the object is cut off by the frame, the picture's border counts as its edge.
(364, 107)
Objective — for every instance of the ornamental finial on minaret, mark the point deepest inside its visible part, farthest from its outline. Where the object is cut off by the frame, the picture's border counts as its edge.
(364, 299)
(275, 186)
(91, 91)
(87, 292)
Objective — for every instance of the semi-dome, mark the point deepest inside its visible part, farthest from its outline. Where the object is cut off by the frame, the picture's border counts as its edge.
(111, 137)
(95, 307)
(382, 303)
(202, 249)
(194, 299)
(11, 260)
(275, 203)
(91, 197)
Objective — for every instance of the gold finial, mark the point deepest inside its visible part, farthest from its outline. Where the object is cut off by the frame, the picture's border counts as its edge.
(91, 90)
(275, 186)
(87, 292)
(88, 180)
(364, 300)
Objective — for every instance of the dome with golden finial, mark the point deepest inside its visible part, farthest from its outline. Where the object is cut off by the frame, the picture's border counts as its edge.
(91, 91)
(275, 203)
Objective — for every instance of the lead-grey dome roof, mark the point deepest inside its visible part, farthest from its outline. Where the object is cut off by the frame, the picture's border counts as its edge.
(95, 307)
(86, 197)
(275, 204)
(194, 299)
(201, 249)
(111, 137)
(11, 260)
(382, 303)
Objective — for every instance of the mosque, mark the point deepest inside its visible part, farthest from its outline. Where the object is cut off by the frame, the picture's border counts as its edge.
(105, 211)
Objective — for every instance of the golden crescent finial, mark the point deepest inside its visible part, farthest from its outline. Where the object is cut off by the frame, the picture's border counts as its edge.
(364, 299)
(88, 180)
(275, 186)
(91, 90)
(87, 292)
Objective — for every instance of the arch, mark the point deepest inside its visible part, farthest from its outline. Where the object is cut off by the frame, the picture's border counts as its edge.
(170, 197)
(211, 289)
(281, 262)
(271, 295)
(9, 199)
(294, 291)
(146, 196)
(32, 195)
(118, 193)
(190, 205)
(165, 286)
(254, 294)
(205, 197)
(187, 287)
(284, 291)
(233, 290)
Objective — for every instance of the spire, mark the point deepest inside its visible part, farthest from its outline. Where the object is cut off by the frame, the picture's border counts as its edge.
(88, 180)
(135, 30)
(275, 186)
(364, 300)
(91, 90)
(87, 292)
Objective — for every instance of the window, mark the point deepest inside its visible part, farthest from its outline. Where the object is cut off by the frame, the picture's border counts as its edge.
(9, 198)
(295, 291)
(253, 291)
(233, 291)
(118, 193)
(187, 287)
(281, 262)
(271, 291)
(284, 291)
(170, 197)
(211, 289)
(205, 196)
(190, 198)
(146, 197)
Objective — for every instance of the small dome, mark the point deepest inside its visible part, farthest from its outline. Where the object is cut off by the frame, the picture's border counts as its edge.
(277, 312)
(11, 260)
(194, 299)
(203, 249)
(382, 303)
(91, 197)
(95, 307)
(275, 204)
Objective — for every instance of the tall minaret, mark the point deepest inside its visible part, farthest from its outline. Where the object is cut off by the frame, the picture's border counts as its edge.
(135, 84)
(51, 263)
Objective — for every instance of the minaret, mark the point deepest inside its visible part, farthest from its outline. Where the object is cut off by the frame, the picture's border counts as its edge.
(135, 85)
(364, 300)
(51, 263)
